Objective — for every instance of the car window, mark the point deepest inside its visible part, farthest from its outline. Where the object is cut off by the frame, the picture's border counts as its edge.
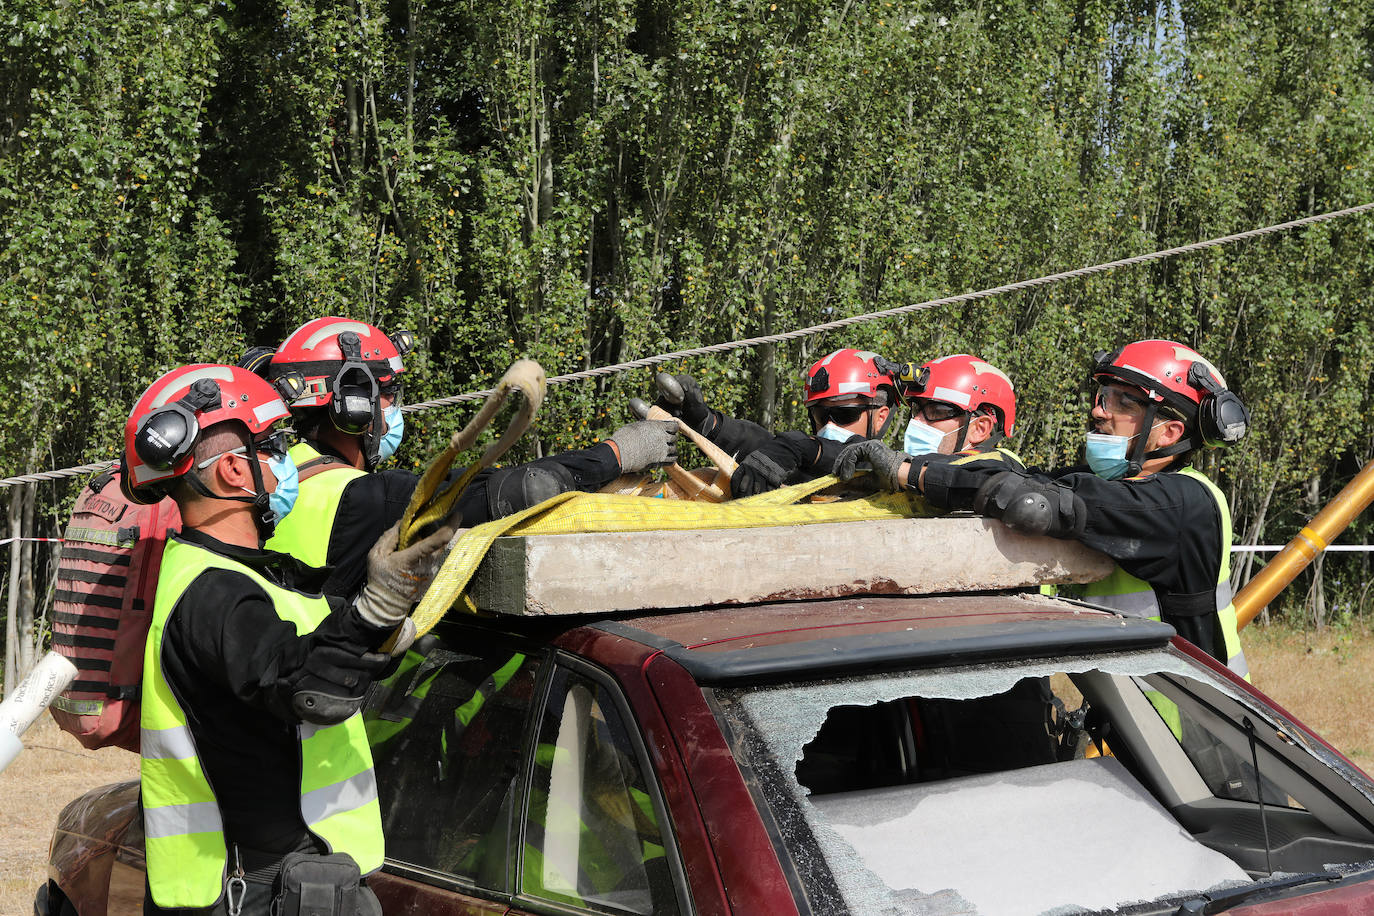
(956, 790)
(1228, 771)
(592, 836)
(447, 729)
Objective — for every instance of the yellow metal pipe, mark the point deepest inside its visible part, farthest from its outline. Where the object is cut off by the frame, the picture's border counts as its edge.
(1303, 549)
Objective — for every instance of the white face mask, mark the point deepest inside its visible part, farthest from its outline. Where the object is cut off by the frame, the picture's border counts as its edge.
(835, 433)
(921, 438)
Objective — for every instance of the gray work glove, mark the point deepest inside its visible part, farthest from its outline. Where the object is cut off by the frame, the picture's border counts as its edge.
(397, 578)
(645, 444)
(681, 396)
(885, 462)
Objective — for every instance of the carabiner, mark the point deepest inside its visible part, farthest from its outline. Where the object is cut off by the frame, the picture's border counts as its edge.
(236, 888)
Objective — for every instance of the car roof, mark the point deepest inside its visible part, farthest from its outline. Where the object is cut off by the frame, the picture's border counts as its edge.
(821, 638)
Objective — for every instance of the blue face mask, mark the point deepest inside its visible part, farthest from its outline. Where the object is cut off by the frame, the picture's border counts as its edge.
(395, 429)
(921, 438)
(1106, 455)
(283, 498)
(835, 433)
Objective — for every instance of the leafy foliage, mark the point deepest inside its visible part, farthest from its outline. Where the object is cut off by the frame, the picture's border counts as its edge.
(589, 181)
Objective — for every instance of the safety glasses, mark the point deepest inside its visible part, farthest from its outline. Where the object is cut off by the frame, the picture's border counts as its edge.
(843, 416)
(1119, 402)
(273, 445)
(935, 411)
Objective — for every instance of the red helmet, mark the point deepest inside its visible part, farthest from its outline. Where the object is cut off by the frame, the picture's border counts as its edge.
(164, 426)
(334, 353)
(851, 375)
(1178, 376)
(968, 382)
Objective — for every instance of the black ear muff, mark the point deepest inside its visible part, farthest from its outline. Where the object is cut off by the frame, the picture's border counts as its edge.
(1222, 418)
(167, 435)
(820, 381)
(354, 389)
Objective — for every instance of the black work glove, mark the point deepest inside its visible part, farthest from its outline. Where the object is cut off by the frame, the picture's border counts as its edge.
(769, 466)
(884, 461)
(681, 396)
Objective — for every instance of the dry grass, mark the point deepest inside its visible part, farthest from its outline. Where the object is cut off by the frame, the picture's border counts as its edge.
(1326, 679)
(1323, 678)
(52, 770)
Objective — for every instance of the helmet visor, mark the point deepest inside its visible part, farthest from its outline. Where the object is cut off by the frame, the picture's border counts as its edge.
(1118, 401)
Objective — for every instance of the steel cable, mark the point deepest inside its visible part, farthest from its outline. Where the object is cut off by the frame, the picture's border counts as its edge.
(837, 324)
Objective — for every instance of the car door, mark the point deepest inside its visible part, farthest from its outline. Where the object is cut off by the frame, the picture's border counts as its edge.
(512, 780)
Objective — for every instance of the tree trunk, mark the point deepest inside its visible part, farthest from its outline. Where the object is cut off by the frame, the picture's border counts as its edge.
(1316, 597)
(12, 602)
(25, 649)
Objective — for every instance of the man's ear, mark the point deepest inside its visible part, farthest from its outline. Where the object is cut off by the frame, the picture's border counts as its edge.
(1168, 433)
(230, 474)
(980, 429)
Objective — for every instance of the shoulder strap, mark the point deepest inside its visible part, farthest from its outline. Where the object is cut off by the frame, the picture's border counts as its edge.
(315, 465)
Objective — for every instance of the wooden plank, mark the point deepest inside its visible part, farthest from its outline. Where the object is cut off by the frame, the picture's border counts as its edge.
(599, 573)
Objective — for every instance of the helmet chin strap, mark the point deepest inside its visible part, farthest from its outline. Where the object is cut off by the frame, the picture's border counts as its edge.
(371, 440)
(1138, 454)
(264, 519)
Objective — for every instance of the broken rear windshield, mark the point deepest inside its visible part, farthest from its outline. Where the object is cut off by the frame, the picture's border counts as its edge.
(1052, 786)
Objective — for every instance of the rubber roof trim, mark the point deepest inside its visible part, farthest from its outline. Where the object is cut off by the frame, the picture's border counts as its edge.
(918, 648)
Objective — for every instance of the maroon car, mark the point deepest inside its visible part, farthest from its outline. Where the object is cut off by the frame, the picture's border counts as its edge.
(980, 753)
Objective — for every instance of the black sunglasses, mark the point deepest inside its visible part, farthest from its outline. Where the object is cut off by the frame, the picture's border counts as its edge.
(843, 416)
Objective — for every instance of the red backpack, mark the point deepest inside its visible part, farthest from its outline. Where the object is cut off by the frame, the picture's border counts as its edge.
(103, 607)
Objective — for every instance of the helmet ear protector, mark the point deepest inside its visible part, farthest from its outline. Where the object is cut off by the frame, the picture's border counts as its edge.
(167, 435)
(1222, 418)
(354, 389)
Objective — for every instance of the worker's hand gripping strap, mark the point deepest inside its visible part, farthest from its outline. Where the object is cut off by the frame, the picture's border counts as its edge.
(429, 504)
(1031, 506)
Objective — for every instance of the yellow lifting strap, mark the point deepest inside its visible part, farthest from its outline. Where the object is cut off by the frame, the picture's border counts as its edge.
(431, 504)
(578, 512)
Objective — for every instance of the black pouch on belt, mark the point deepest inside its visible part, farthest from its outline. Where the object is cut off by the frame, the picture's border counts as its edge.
(316, 885)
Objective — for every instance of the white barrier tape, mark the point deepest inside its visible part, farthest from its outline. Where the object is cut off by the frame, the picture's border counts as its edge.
(1267, 548)
(4, 541)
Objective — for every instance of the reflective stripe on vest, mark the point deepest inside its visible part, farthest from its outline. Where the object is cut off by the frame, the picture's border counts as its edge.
(1125, 594)
(305, 531)
(186, 848)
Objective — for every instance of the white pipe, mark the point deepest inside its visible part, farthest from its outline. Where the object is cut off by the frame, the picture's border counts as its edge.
(52, 675)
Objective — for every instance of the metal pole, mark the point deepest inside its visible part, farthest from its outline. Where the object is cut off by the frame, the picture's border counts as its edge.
(1324, 528)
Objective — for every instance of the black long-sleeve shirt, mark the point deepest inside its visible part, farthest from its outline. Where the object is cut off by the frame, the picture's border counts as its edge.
(233, 665)
(372, 503)
(1164, 528)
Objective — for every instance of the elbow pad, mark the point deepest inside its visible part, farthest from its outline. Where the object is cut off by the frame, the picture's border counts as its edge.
(334, 682)
(1032, 506)
(510, 490)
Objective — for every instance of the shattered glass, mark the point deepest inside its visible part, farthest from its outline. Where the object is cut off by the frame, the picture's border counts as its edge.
(1063, 837)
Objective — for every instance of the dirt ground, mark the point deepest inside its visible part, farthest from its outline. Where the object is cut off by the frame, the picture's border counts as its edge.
(1322, 678)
